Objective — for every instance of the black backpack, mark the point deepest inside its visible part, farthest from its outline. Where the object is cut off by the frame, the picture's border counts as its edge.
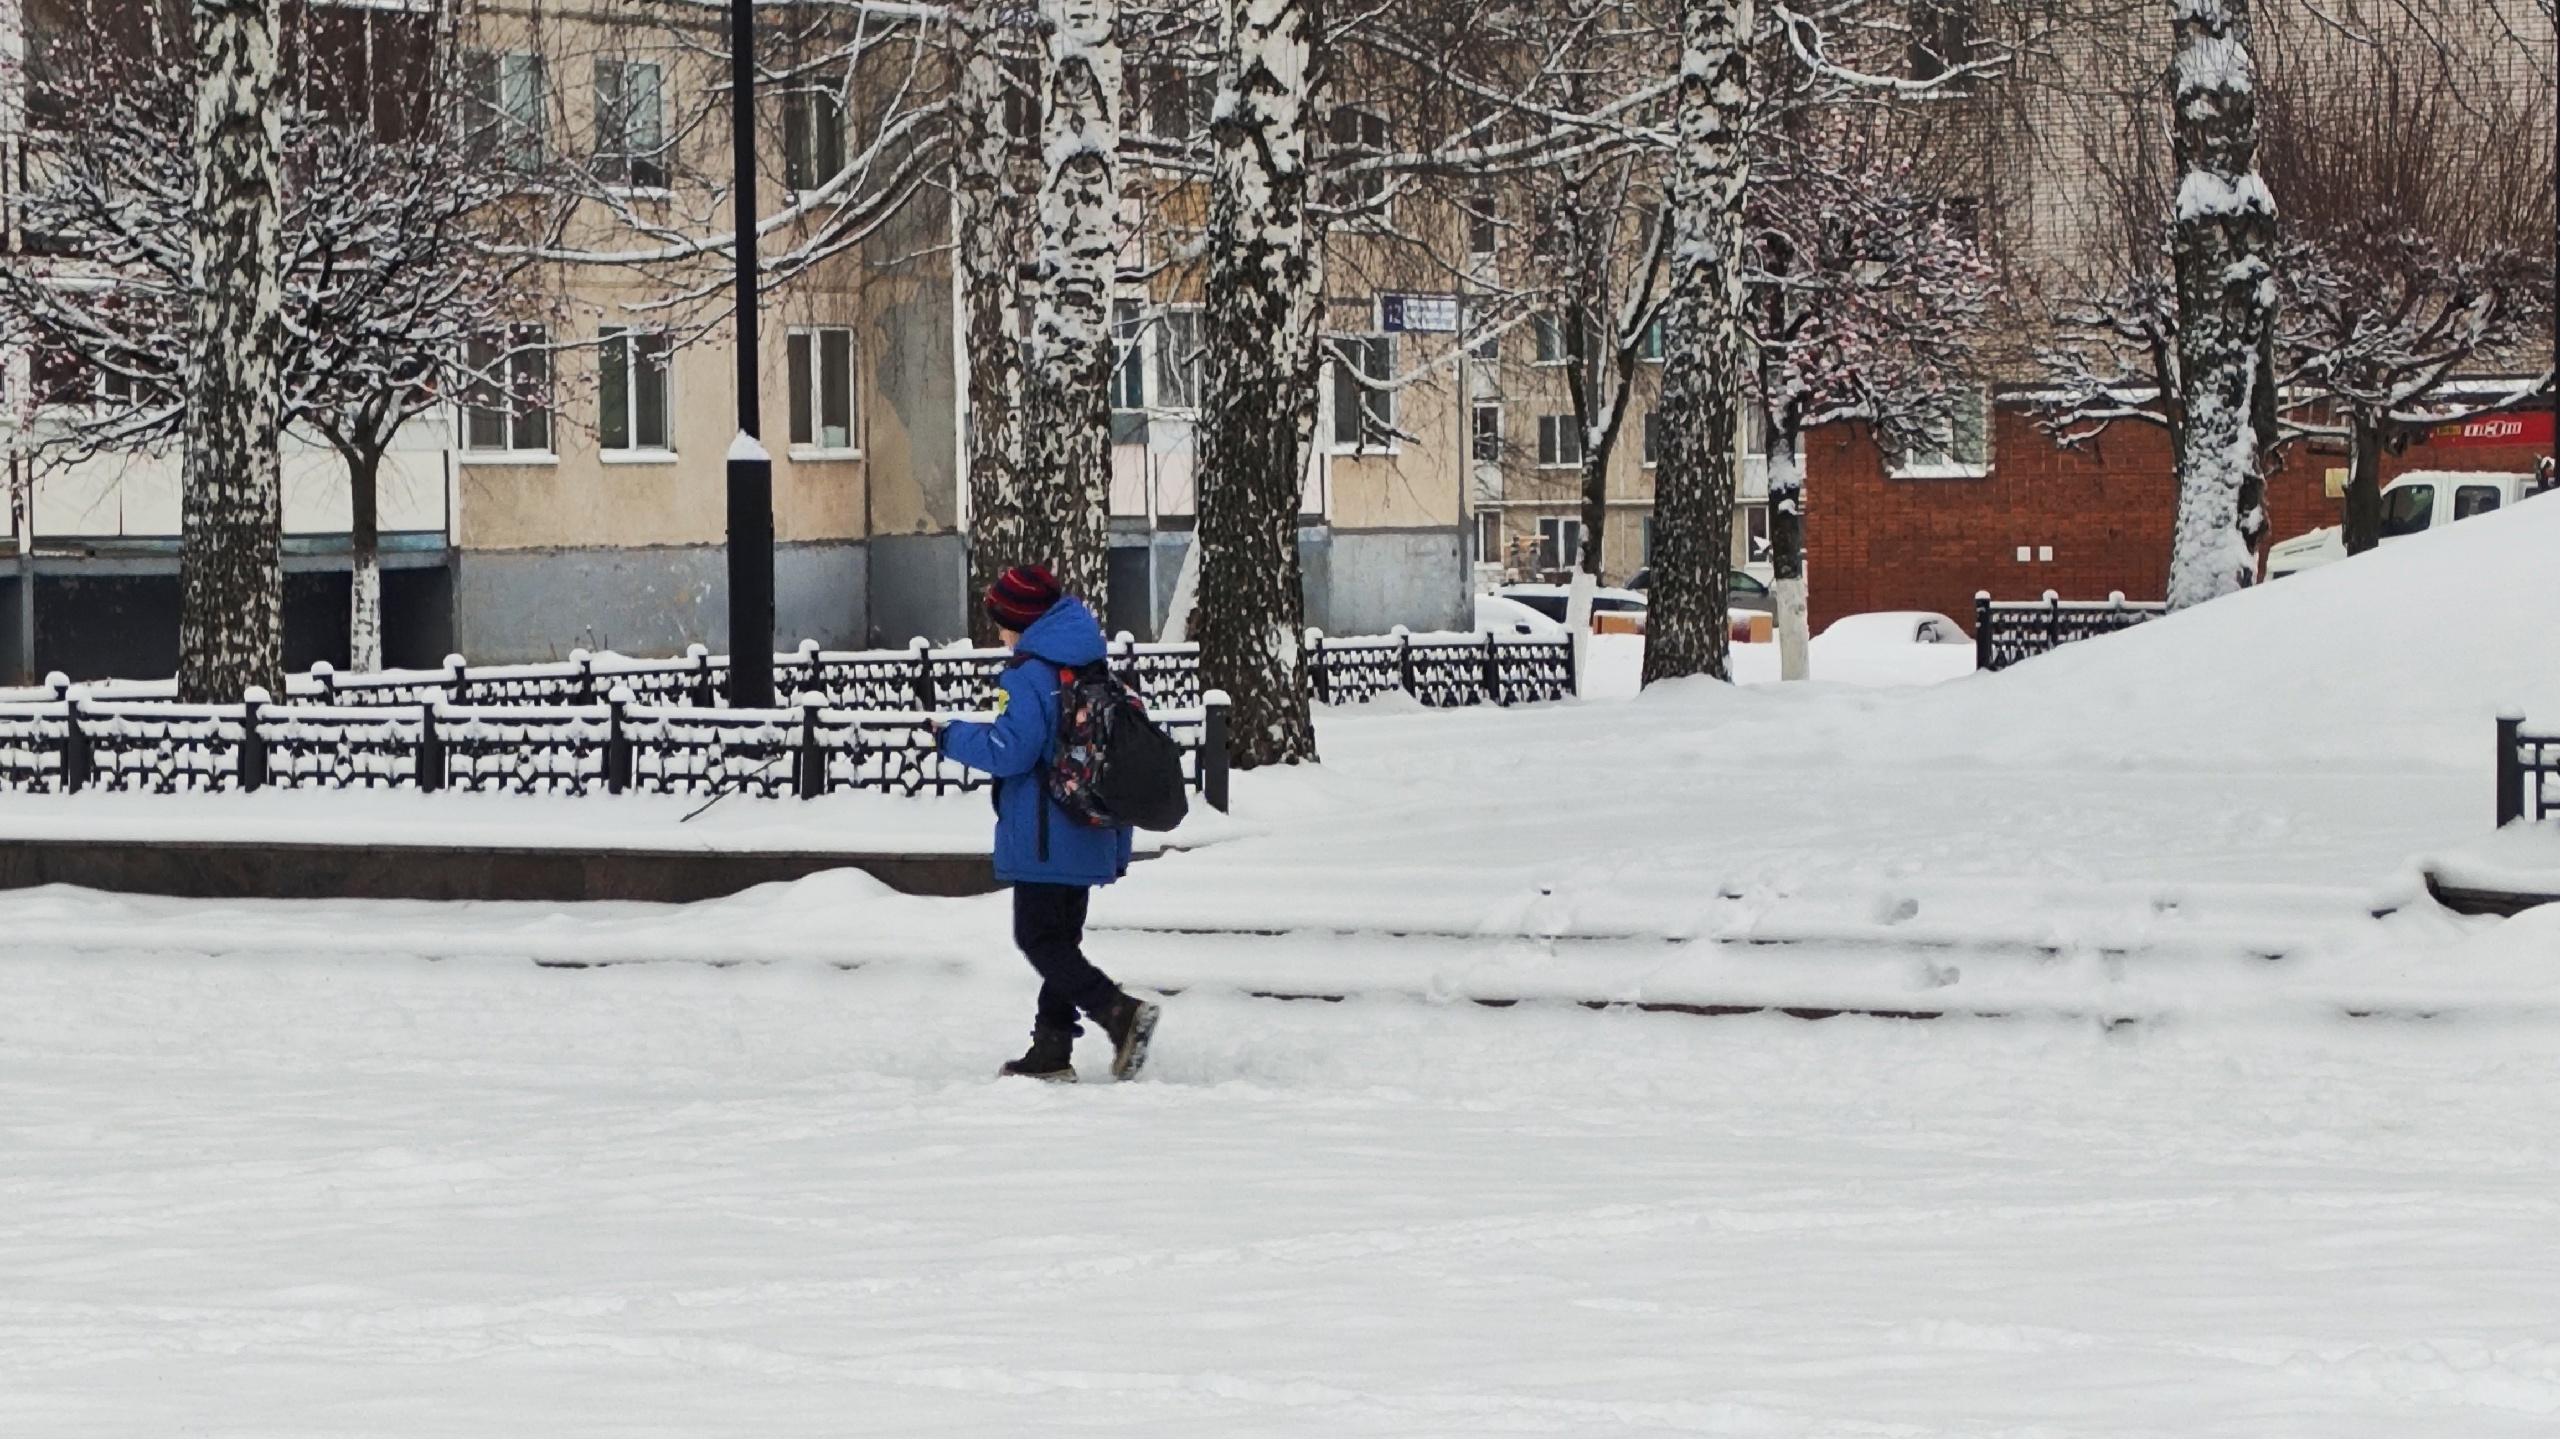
(1113, 768)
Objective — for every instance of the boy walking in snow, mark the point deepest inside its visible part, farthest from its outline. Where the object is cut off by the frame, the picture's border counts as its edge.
(1052, 861)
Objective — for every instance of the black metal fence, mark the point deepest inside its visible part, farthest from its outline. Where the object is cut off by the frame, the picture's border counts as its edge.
(2007, 631)
(1438, 670)
(1443, 671)
(2527, 766)
(617, 746)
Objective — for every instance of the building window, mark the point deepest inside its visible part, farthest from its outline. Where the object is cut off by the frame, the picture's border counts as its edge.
(1942, 37)
(511, 101)
(1128, 382)
(812, 138)
(1559, 543)
(1356, 135)
(1364, 410)
(1488, 343)
(1559, 442)
(631, 389)
(1652, 438)
(1755, 534)
(1483, 223)
(631, 125)
(1488, 434)
(1955, 445)
(1550, 334)
(507, 400)
(1178, 357)
(1178, 101)
(821, 365)
(1649, 344)
(1488, 537)
(1647, 543)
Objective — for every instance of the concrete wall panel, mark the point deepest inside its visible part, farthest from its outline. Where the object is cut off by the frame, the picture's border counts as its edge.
(919, 586)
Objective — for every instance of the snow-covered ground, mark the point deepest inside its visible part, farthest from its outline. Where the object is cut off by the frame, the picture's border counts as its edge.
(296, 1169)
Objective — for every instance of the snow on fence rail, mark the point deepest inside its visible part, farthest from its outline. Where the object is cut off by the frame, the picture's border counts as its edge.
(2527, 766)
(1437, 669)
(2007, 631)
(619, 745)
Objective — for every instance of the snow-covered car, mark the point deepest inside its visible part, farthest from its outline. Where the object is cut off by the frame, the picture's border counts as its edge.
(1511, 617)
(1553, 600)
(1742, 591)
(1897, 627)
(2412, 504)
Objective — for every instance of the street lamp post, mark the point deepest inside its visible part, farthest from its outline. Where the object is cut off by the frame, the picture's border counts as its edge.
(750, 464)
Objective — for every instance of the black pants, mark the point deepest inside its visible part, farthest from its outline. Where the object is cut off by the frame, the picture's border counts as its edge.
(1048, 925)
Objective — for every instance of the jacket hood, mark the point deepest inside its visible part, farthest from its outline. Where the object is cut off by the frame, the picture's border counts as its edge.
(1067, 635)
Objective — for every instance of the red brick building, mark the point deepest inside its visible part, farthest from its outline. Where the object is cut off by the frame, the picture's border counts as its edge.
(2088, 521)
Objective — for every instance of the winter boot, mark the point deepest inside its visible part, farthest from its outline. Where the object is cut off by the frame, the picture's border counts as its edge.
(1048, 1058)
(1130, 1022)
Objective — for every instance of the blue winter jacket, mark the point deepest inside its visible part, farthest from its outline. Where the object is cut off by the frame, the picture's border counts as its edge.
(1036, 842)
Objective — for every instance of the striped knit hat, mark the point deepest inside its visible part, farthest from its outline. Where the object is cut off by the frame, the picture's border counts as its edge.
(1020, 595)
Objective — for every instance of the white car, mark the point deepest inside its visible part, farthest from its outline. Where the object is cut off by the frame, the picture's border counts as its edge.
(1552, 601)
(1897, 627)
(2412, 504)
(1511, 617)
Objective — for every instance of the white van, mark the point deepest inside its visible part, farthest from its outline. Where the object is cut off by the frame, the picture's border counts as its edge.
(2418, 501)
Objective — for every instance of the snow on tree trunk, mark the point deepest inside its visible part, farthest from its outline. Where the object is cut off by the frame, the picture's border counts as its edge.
(2225, 227)
(230, 565)
(1686, 630)
(987, 221)
(364, 579)
(1786, 552)
(1266, 281)
(1066, 399)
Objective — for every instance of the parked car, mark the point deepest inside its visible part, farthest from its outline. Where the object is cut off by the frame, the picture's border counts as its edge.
(2412, 504)
(1552, 600)
(1513, 617)
(1741, 591)
(1897, 627)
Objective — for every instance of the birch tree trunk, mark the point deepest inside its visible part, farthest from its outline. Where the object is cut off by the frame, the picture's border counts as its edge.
(1786, 547)
(2225, 227)
(1258, 407)
(987, 223)
(364, 577)
(1066, 398)
(230, 561)
(1686, 631)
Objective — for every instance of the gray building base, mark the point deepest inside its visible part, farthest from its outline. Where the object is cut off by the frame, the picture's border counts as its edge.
(513, 606)
(1355, 582)
(919, 586)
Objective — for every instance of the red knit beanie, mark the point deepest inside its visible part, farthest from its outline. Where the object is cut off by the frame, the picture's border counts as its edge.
(1020, 595)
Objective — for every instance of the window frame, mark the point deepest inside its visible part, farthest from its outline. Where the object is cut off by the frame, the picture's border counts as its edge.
(1478, 434)
(807, 145)
(1366, 193)
(1552, 531)
(1180, 377)
(638, 363)
(527, 349)
(806, 372)
(1377, 352)
(620, 164)
(518, 138)
(1553, 431)
(1948, 463)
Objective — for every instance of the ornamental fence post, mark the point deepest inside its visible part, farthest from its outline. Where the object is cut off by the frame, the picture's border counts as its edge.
(701, 689)
(617, 743)
(1125, 665)
(430, 763)
(253, 746)
(325, 675)
(2052, 622)
(1492, 669)
(457, 680)
(2510, 770)
(808, 665)
(1573, 644)
(1319, 669)
(75, 743)
(1982, 646)
(1213, 749)
(586, 664)
(1404, 659)
(811, 780)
